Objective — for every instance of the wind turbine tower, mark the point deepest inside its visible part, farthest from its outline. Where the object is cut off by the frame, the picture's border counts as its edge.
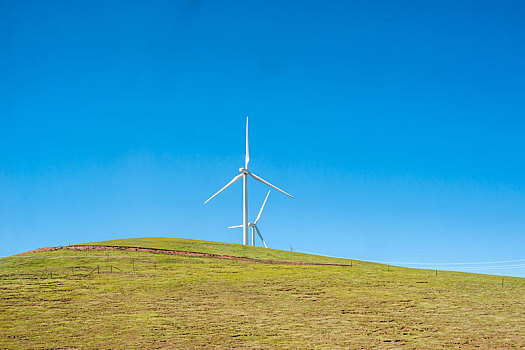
(253, 225)
(244, 173)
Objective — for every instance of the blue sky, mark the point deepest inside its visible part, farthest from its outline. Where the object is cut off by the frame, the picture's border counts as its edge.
(397, 126)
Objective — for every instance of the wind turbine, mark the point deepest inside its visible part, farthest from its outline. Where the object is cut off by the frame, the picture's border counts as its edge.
(244, 173)
(254, 224)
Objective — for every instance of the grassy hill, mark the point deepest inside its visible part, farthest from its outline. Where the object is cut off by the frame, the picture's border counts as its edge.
(125, 300)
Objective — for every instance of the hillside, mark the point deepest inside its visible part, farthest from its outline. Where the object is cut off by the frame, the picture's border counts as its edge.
(135, 299)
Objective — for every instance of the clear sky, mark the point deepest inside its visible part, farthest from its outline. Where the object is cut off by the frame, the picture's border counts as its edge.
(397, 125)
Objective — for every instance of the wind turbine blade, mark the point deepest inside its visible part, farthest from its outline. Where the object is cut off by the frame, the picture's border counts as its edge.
(235, 226)
(236, 178)
(247, 159)
(262, 239)
(269, 184)
(260, 211)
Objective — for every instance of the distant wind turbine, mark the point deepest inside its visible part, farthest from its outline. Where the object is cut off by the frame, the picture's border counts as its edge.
(244, 175)
(253, 225)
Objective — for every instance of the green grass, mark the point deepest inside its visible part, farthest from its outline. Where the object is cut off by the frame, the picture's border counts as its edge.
(190, 245)
(148, 300)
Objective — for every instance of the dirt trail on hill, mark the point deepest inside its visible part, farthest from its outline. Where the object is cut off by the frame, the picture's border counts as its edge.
(177, 252)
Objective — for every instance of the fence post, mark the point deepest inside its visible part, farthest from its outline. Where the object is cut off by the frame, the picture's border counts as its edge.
(98, 269)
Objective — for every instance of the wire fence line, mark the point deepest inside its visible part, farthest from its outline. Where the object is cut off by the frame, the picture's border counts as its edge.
(496, 267)
(447, 263)
(456, 265)
(480, 265)
(83, 269)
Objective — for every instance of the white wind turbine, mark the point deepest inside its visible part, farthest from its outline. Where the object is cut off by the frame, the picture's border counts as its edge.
(244, 175)
(253, 225)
